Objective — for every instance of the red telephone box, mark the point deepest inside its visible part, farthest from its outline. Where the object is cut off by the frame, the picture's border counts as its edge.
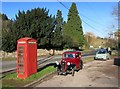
(26, 57)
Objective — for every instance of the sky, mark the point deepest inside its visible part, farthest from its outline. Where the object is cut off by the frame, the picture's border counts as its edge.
(96, 16)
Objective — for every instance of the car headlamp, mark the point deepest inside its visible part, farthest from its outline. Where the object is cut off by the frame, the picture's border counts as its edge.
(57, 62)
(68, 63)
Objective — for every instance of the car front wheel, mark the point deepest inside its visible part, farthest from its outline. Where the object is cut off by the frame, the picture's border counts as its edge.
(57, 71)
(73, 72)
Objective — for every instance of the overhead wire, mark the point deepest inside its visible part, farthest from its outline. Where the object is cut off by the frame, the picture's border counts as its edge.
(91, 19)
(82, 19)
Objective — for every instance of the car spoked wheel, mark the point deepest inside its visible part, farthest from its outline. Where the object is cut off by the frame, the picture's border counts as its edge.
(64, 73)
(57, 71)
(73, 71)
(77, 69)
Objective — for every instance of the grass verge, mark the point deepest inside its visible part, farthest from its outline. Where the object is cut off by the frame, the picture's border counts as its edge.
(89, 59)
(11, 80)
(8, 59)
(85, 51)
(115, 53)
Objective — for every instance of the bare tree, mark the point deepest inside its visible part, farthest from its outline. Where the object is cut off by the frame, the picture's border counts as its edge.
(90, 38)
(116, 13)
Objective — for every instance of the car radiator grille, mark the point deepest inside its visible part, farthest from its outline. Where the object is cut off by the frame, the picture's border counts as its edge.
(63, 66)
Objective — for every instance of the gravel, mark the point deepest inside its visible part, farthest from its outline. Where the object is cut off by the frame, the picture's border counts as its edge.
(94, 74)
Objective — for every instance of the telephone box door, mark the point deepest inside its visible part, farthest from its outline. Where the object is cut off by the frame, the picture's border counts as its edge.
(26, 57)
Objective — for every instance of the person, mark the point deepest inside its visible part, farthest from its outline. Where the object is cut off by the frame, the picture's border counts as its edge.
(109, 50)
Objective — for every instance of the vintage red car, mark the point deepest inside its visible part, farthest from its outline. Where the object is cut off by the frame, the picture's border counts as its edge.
(71, 62)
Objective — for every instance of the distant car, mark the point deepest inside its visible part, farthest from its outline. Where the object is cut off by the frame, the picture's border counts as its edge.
(71, 61)
(102, 54)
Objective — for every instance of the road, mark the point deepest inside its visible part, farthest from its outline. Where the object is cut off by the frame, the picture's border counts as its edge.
(7, 65)
(94, 74)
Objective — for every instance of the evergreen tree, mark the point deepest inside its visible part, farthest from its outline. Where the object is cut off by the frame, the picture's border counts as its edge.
(57, 32)
(8, 39)
(4, 17)
(36, 24)
(73, 28)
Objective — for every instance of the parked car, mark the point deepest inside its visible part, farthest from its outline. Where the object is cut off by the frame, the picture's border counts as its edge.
(71, 62)
(102, 54)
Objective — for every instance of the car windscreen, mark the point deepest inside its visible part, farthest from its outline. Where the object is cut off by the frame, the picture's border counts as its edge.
(69, 55)
(101, 52)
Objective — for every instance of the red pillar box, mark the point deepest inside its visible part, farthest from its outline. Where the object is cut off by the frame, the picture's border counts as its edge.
(26, 57)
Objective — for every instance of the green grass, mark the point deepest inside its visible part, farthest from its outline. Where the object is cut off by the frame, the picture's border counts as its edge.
(12, 80)
(86, 51)
(8, 87)
(14, 58)
(89, 59)
(8, 59)
(41, 73)
(115, 53)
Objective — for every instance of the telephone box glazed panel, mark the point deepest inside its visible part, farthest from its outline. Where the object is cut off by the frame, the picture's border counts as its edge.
(26, 57)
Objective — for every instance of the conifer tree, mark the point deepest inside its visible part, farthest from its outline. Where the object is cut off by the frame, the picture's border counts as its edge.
(35, 23)
(57, 32)
(73, 32)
